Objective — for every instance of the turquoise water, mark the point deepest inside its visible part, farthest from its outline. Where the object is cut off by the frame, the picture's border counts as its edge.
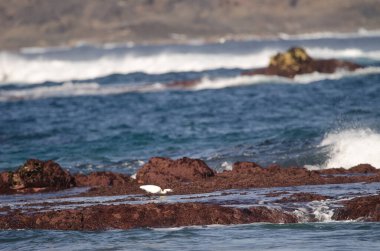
(94, 108)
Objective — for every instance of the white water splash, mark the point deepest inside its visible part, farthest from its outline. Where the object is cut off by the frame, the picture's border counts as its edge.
(352, 147)
(323, 212)
(70, 89)
(227, 166)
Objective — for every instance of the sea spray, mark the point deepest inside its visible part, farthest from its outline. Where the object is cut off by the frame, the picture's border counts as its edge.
(351, 147)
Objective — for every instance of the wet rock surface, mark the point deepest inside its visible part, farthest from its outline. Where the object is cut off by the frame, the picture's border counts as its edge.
(296, 61)
(200, 196)
(365, 208)
(183, 176)
(35, 176)
(148, 215)
(164, 171)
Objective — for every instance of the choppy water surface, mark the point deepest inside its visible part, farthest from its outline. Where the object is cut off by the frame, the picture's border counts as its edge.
(317, 236)
(108, 108)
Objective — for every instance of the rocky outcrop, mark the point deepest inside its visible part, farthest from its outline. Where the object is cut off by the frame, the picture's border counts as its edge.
(183, 176)
(296, 61)
(35, 176)
(363, 208)
(137, 216)
(164, 171)
(102, 179)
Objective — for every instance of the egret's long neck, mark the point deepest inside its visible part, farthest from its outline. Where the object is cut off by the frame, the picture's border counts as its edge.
(165, 191)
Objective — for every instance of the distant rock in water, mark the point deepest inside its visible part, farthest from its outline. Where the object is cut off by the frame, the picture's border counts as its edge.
(296, 61)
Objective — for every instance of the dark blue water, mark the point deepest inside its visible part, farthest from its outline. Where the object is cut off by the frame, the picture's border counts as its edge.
(108, 109)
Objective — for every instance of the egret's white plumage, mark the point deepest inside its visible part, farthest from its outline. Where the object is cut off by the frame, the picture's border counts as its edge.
(155, 189)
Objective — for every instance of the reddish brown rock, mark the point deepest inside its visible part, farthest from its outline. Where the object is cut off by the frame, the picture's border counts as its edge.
(246, 167)
(363, 208)
(108, 183)
(164, 171)
(363, 168)
(36, 176)
(137, 216)
(359, 169)
(104, 179)
(296, 61)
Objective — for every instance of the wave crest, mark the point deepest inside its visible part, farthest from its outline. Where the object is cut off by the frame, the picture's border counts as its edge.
(351, 147)
(68, 89)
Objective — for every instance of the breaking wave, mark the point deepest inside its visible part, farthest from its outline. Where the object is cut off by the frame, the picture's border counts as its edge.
(362, 32)
(351, 147)
(18, 69)
(68, 89)
(26, 69)
(220, 83)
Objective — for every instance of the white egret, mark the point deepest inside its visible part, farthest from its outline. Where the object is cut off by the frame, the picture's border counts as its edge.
(155, 189)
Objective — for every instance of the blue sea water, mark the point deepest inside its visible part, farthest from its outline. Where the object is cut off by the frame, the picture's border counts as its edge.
(108, 107)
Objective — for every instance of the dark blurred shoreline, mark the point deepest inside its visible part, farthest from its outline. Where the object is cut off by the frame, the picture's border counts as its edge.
(51, 23)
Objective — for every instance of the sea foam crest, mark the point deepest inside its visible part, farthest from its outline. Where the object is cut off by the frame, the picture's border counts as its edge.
(351, 147)
(15, 68)
(68, 89)
(20, 68)
(219, 83)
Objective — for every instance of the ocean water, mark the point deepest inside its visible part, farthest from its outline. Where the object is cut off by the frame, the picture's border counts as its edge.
(93, 108)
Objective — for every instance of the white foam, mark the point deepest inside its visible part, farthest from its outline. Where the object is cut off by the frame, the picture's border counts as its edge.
(351, 147)
(15, 68)
(322, 211)
(68, 89)
(219, 83)
(362, 32)
(19, 68)
(227, 166)
(324, 52)
(74, 89)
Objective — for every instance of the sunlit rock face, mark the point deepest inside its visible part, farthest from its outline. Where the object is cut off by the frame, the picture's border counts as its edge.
(296, 61)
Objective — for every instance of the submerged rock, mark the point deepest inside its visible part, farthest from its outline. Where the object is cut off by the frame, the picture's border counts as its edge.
(164, 171)
(34, 176)
(296, 61)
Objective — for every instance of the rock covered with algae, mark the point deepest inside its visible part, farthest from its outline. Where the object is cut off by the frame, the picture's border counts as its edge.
(296, 61)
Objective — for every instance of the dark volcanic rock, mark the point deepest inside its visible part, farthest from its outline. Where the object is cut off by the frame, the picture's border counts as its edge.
(147, 215)
(364, 208)
(36, 175)
(164, 171)
(296, 61)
